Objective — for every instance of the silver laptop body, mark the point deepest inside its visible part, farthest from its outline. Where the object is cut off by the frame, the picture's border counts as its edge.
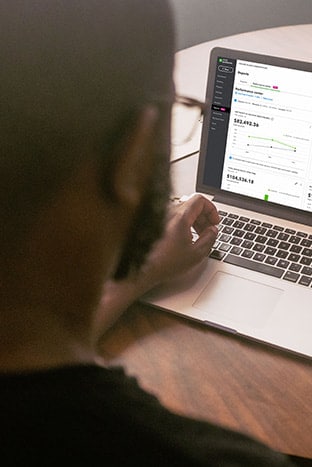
(255, 163)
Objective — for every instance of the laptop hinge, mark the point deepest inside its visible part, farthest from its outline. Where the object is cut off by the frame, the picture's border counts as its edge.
(264, 207)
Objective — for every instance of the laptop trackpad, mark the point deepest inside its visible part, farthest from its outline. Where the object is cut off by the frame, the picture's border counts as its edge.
(238, 300)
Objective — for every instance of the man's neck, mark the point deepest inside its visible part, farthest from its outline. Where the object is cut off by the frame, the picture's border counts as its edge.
(36, 340)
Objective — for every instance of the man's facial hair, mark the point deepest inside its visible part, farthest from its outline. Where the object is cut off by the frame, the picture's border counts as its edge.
(149, 222)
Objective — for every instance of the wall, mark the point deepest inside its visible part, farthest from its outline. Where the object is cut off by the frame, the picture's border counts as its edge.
(202, 20)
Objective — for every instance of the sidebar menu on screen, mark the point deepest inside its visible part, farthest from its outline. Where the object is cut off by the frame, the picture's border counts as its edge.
(219, 119)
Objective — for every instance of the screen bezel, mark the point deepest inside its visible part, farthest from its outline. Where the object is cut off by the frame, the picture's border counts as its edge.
(255, 204)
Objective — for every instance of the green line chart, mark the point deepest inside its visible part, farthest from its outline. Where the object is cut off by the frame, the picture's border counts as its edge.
(283, 151)
(269, 143)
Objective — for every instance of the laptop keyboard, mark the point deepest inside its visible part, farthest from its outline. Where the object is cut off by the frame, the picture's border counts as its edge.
(267, 248)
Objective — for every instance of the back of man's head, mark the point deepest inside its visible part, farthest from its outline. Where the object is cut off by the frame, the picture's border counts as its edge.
(70, 73)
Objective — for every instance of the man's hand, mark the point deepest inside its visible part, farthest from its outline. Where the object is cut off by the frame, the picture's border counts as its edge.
(174, 254)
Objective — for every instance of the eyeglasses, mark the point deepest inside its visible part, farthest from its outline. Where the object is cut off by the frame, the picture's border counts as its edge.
(187, 114)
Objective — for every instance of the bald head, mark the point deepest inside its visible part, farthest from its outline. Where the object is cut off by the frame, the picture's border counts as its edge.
(83, 56)
(71, 72)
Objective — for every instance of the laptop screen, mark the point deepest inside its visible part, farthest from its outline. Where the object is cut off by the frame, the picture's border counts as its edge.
(257, 132)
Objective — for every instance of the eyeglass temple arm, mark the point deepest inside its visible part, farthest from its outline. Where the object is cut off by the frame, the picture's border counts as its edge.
(191, 102)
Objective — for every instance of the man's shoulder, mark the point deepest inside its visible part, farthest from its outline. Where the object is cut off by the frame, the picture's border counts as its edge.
(71, 388)
(102, 415)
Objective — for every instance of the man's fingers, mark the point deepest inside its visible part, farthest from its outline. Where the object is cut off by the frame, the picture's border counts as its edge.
(201, 213)
(205, 241)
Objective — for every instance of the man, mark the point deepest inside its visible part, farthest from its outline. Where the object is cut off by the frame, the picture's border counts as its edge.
(86, 93)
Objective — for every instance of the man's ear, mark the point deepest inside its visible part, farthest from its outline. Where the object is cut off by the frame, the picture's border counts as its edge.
(135, 158)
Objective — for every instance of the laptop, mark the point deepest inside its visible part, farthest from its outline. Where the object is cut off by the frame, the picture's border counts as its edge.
(255, 163)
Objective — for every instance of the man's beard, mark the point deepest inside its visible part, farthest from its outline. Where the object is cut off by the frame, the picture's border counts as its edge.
(149, 222)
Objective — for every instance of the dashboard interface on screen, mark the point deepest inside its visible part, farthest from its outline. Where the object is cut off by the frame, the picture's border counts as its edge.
(259, 131)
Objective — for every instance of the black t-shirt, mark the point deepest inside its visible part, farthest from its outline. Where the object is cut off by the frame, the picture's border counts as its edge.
(90, 416)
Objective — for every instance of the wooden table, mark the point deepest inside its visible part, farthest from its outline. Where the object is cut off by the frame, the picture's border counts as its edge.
(202, 372)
